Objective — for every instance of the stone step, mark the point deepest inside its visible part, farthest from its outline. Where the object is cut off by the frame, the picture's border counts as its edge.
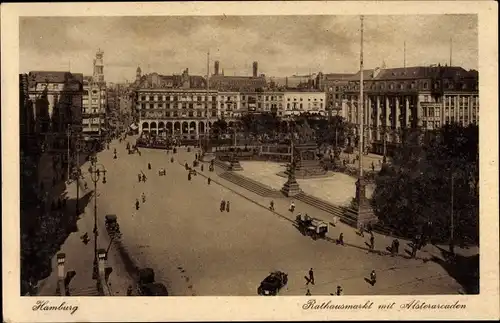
(250, 185)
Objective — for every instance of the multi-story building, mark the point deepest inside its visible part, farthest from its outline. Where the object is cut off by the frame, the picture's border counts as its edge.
(414, 97)
(299, 102)
(95, 101)
(334, 85)
(177, 105)
(229, 106)
(57, 105)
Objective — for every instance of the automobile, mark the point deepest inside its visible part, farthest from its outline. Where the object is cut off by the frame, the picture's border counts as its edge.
(111, 223)
(272, 284)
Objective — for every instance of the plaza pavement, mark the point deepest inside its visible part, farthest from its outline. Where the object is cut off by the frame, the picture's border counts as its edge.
(197, 250)
(337, 188)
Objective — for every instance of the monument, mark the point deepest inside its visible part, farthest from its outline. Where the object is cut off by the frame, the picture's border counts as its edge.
(234, 164)
(291, 187)
(306, 163)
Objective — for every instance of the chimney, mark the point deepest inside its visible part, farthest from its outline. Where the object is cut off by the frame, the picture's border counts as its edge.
(216, 68)
(255, 69)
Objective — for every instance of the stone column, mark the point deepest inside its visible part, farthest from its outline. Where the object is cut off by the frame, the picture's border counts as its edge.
(407, 113)
(377, 121)
(398, 114)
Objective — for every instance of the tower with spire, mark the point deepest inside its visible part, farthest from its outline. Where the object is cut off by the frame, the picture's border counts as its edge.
(98, 75)
(138, 74)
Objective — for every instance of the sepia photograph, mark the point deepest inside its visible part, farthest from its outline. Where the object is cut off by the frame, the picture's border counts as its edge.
(318, 155)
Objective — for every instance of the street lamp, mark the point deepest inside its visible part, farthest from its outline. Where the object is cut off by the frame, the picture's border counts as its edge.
(61, 288)
(95, 173)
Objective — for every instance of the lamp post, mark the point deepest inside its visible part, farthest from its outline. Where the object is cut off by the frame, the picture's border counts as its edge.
(61, 287)
(95, 173)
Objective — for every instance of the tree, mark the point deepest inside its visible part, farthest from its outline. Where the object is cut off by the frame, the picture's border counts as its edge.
(219, 127)
(417, 187)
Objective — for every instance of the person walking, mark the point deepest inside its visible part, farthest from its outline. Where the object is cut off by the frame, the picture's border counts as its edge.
(222, 205)
(143, 196)
(271, 206)
(129, 290)
(311, 276)
(292, 207)
(144, 178)
(362, 230)
(372, 242)
(209, 180)
(201, 167)
(227, 206)
(308, 292)
(341, 239)
(339, 291)
(136, 204)
(396, 246)
(373, 278)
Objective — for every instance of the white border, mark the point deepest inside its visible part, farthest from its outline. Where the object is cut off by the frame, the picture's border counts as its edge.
(18, 309)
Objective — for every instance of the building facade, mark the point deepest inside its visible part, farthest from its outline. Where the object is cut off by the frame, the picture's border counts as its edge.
(178, 105)
(95, 101)
(57, 106)
(414, 97)
(334, 85)
(299, 102)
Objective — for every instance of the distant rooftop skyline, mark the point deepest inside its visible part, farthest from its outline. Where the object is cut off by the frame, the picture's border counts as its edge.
(282, 45)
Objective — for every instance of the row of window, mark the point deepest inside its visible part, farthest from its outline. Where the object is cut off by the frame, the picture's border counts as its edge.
(175, 98)
(167, 114)
(405, 86)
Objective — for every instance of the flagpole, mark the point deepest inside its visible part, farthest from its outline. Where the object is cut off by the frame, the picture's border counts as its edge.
(361, 106)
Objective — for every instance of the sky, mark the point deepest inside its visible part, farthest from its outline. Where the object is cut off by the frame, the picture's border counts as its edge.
(282, 45)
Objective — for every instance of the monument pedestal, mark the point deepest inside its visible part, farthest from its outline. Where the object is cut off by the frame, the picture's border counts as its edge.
(291, 187)
(235, 165)
(363, 210)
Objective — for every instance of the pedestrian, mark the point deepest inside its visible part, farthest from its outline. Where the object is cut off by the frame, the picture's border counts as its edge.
(144, 178)
(372, 242)
(209, 180)
(201, 167)
(308, 292)
(222, 205)
(85, 185)
(227, 206)
(362, 230)
(143, 197)
(189, 176)
(196, 156)
(341, 239)
(149, 166)
(129, 290)
(413, 250)
(339, 291)
(311, 276)
(271, 206)
(373, 167)
(373, 277)
(139, 176)
(396, 246)
(292, 207)
(136, 204)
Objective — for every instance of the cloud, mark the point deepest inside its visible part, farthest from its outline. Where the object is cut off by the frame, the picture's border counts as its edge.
(282, 45)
